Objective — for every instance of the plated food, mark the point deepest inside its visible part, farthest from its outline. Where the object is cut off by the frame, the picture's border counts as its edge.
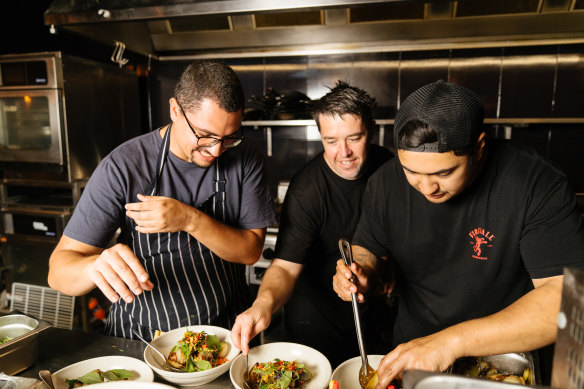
(115, 364)
(198, 351)
(483, 369)
(168, 341)
(97, 377)
(313, 361)
(278, 374)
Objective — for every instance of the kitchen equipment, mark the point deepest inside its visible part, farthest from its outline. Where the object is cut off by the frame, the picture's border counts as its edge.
(47, 378)
(510, 363)
(63, 114)
(20, 352)
(366, 372)
(567, 369)
(165, 365)
(418, 379)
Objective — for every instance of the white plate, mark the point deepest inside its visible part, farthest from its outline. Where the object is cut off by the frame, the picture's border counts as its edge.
(141, 370)
(130, 384)
(347, 373)
(314, 361)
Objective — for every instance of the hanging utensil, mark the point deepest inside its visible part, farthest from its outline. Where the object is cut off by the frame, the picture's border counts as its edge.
(366, 373)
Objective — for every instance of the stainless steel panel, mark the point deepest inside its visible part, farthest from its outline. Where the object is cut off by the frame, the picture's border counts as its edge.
(102, 111)
(53, 64)
(527, 86)
(417, 72)
(568, 98)
(417, 379)
(482, 76)
(567, 370)
(20, 352)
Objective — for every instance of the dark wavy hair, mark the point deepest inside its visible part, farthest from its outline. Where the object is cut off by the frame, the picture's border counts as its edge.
(346, 99)
(416, 132)
(209, 80)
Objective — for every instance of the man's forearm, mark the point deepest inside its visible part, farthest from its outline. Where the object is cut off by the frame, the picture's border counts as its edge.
(277, 285)
(229, 243)
(527, 324)
(66, 272)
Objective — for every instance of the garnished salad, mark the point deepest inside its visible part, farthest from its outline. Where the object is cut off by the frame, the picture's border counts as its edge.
(198, 351)
(278, 374)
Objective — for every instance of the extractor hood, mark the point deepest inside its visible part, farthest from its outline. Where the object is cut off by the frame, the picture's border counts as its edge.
(175, 29)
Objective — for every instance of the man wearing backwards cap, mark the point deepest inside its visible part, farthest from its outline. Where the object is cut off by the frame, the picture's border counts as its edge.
(480, 231)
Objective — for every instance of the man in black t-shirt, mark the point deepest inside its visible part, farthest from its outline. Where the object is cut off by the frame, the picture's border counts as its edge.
(480, 231)
(322, 205)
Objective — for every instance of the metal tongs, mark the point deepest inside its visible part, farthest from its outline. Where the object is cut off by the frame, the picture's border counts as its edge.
(366, 372)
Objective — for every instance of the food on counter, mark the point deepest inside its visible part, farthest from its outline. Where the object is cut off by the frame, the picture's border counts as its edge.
(97, 376)
(278, 374)
(5, 339)
(198, 351)
(482, 369)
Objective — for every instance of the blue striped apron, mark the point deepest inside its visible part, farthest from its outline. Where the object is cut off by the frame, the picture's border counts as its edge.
(191, 284)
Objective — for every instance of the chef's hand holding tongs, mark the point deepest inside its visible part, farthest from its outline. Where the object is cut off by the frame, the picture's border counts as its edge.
(363, 274)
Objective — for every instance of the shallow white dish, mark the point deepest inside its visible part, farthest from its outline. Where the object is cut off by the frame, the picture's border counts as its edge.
(316, 363)
(130, 384)
(141, 370)
(347, 373)
(168, 340)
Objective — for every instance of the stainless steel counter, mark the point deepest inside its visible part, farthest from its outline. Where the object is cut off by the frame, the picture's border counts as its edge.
(59, 348)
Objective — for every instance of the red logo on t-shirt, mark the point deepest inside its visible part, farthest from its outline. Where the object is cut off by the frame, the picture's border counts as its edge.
(481, 238)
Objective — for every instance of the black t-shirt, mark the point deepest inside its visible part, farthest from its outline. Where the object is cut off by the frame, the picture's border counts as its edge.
(477, 253)
(320, 208)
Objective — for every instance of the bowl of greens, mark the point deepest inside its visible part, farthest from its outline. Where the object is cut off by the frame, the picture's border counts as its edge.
(201, 352)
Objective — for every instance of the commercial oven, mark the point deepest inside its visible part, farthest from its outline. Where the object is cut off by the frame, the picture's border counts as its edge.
(59, 117)
(63, 114)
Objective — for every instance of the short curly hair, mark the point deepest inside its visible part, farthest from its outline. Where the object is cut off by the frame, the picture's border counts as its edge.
(210, 80)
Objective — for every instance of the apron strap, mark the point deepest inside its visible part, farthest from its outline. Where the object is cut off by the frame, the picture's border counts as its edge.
(162, 154)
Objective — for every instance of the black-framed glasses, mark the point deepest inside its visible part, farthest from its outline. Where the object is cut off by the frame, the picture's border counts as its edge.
(210, 141)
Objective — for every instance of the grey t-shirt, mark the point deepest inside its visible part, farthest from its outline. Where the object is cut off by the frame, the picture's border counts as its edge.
(129, 169)
(192, 285)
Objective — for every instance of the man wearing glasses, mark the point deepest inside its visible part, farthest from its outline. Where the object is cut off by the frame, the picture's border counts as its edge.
(192, 209)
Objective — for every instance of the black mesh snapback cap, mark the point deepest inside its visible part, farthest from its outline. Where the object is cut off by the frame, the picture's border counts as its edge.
(454, 112)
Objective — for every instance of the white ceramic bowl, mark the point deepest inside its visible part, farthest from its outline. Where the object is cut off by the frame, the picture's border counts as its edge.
(347, 373)
(316, 363)
(168, 340)
(141, 371)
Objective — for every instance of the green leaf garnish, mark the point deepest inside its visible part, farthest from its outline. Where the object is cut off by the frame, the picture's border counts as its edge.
(203, 365)
(93, 377)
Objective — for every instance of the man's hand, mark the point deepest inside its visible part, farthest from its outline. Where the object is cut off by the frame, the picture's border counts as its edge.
(159, 214)
(343, 285)
(248, 324)
(430, 353)
(118, 272)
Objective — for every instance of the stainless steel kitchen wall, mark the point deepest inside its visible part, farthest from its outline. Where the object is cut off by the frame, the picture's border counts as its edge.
(533, 94)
